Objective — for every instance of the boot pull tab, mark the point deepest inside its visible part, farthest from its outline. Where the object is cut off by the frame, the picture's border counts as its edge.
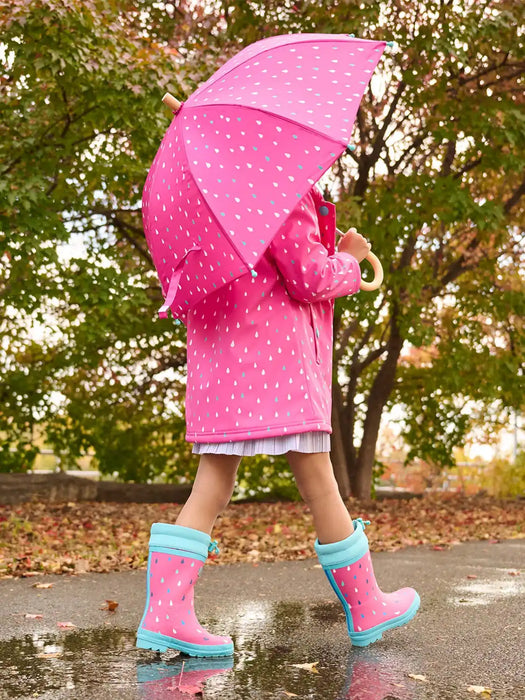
(213, 547)
(363, 522)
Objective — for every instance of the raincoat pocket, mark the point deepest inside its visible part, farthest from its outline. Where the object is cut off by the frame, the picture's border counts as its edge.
(315, 333)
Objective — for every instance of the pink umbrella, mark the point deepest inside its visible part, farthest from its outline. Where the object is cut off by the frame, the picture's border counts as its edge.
(242, 151)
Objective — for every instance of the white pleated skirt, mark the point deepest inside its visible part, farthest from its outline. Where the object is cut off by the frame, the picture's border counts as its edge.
(279, 445)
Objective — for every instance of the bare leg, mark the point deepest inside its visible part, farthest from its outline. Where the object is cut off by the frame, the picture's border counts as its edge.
(316, 482)
(211, 492)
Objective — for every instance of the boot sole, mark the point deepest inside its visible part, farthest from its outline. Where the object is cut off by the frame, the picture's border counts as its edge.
(160, 642)
(374, 634)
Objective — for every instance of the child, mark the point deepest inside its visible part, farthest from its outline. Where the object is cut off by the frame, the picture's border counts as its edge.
(259, 382)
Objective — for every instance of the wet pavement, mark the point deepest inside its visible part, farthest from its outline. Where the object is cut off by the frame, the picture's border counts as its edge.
(470, 631)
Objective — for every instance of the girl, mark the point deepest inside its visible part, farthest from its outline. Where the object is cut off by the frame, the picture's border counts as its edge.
(259, 382)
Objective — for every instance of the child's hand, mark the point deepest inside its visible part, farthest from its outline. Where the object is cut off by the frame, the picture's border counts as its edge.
(354, 244)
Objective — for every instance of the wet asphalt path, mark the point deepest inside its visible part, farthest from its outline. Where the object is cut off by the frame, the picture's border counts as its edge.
(468, 632)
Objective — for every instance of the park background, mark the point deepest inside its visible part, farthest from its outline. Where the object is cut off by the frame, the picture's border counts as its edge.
(428, 371)
(428, 381)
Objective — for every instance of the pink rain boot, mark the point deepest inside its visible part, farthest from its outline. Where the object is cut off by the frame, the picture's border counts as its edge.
(369, 611)
(176, 557)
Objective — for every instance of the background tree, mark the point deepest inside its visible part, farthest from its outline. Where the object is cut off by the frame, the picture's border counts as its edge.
(436, 182)
(82, 352)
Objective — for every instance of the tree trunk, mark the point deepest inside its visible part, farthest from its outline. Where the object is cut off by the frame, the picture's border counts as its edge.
(361, 475)
(338, 453)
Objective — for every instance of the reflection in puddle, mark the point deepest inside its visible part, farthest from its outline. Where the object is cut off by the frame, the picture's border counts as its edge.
(478, 592)
(178, 679)
(269, 640)
(368, 677)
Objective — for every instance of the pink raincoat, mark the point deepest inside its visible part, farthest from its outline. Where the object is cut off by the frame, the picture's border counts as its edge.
(260, 349)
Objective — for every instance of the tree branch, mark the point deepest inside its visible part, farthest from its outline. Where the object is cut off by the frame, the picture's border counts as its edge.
(515, 197)
(372, 357)
(123, 228)
(448, 159)
(467, 167)
(345, 338)
(368, 160)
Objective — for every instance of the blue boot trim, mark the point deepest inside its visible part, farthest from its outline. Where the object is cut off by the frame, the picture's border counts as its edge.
(345, 552)
(179, 537)
(147, 591)
(161, 642)
(348, 614)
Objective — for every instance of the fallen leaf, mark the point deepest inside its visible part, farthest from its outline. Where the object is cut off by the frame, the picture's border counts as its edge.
(65, 625)
(514, 573)
(42, 585)
(111, 605)
(190, 689)
(50, 655)
(31, 616)
(290, 695)
(417, 677)
(307, 667)
(480, 690)
(64, 547)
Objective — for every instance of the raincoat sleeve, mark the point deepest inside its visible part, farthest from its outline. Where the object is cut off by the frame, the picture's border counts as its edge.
(310, 273)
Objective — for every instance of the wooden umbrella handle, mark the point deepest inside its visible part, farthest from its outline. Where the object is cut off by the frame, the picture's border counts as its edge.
(171, 102)
(378, 274)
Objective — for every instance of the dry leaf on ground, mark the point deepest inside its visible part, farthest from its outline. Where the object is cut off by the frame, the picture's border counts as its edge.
(307, 667)
(480, 690)
(57, 538)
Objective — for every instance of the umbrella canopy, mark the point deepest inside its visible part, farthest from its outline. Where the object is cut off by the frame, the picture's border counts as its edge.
(241, 153)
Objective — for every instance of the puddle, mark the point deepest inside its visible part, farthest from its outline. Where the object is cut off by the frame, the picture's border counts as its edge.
(49, 665)
(485, 592)
(269, 640)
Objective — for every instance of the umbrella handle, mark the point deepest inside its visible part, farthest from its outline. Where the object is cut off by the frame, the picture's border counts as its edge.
(171, 102)
(378, 274)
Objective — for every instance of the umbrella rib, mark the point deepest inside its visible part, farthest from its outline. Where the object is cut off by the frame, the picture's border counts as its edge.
(267, 112)
(336, 142)
(211, 213)
(210, 210)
